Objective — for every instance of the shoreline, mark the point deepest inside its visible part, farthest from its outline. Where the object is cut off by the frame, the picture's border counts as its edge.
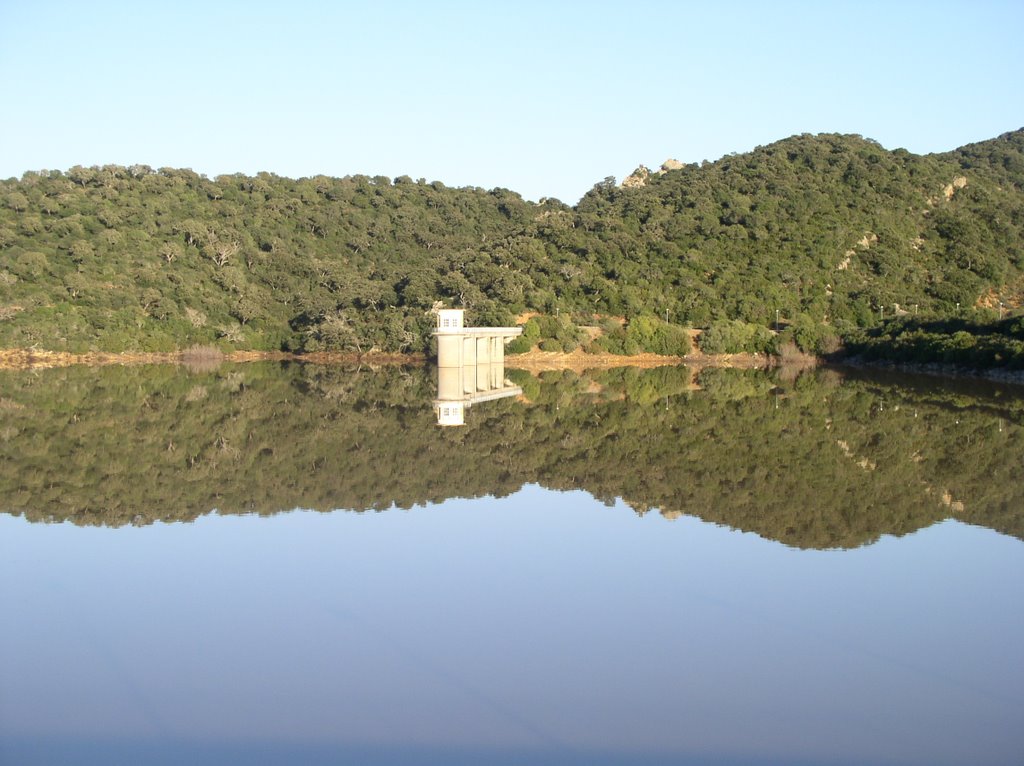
(32, 359)
(531, 361)
(534, 361)
(933, 369)
(543, 361)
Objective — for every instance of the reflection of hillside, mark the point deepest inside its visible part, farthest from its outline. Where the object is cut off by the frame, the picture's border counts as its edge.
(813, 463)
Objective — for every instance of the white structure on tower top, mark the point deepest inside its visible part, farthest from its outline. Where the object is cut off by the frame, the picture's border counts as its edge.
(450, 320)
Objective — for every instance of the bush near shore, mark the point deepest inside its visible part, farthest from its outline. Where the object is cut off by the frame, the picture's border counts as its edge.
(961, 342)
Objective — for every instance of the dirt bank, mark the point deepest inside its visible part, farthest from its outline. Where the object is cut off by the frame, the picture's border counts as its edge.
(29, 359)
(539, 361)
(532, 361)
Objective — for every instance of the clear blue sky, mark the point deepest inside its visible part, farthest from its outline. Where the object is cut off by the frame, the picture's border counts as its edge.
(545, 98)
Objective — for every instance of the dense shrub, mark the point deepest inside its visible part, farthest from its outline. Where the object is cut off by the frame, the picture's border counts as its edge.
(961, 342)
(551, 333)
(811, 337)
(643, 334)
(731, 336)
(526, 341)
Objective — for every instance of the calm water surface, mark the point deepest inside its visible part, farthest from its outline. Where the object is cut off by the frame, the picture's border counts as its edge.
(827, 580)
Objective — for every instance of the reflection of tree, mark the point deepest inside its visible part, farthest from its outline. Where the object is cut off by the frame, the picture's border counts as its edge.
(813, 463)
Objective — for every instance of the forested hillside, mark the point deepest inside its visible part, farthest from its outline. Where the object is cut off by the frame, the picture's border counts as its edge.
(823, 231)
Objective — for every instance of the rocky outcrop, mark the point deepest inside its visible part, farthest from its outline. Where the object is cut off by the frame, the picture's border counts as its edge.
(864, 243)
(637, 178)
(952, 188)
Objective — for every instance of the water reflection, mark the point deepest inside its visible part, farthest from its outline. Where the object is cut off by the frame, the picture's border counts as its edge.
(459, 388)
(530, 629)
(470, 366)
(819, 461)
(528, 624)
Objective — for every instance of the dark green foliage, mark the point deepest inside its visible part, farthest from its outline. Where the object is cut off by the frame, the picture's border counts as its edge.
(559, 332)
(549, 333)
(824, 230)
(117, 258)
(644, 334)
(658, 337)
(526, 341)
(832, 228)
(810, 337)
(961, 342)
(731, 336)
(616, 341)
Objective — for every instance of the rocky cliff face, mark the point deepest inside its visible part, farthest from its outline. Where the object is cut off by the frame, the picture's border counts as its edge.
(637, 178)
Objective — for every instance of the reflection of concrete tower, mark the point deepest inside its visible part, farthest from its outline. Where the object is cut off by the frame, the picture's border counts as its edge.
(450, 413)
(470, 365)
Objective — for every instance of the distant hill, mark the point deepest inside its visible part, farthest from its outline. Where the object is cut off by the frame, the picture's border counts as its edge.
(830, 229)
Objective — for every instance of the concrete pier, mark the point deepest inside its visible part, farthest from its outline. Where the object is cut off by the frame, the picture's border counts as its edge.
(458, 345)
(470, 366)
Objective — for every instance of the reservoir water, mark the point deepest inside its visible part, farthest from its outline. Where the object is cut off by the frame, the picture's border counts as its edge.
(285, 563)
